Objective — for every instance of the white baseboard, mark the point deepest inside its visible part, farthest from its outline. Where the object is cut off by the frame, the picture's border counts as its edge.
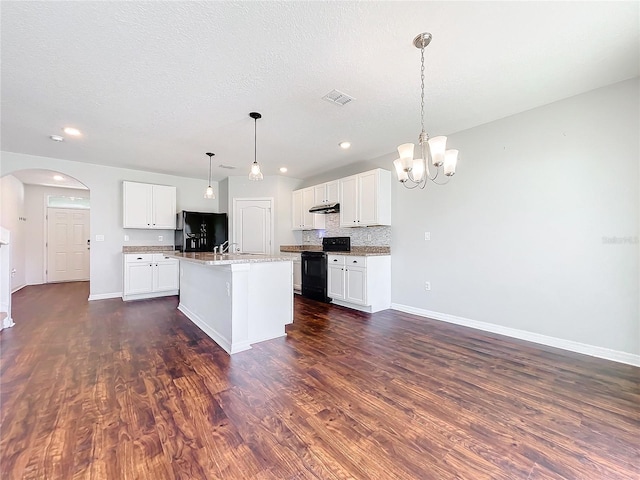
(226, 345)
(592, 350)
(18, 288)
(105, 296)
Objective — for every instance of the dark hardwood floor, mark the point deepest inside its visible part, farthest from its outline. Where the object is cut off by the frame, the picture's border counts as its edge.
(113, 390)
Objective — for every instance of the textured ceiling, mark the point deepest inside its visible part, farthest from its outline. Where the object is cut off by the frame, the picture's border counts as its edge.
(155, 85)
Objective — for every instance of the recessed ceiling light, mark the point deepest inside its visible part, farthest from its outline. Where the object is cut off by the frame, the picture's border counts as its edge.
(345, 145)
(56, 138)
(71, 131)
(58, 177)
(283, 169)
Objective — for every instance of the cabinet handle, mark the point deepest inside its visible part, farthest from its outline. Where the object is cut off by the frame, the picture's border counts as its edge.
(139, 258)
(335, 259)
(355, 261)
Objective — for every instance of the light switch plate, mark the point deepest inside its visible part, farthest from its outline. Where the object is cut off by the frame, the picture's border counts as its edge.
(126, 238)
(427, 235)
(99, 238)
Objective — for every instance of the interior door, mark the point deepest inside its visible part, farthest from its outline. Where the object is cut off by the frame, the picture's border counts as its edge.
(67, 245)
(252, 225)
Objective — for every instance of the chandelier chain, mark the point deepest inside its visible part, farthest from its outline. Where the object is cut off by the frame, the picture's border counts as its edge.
(422, 90)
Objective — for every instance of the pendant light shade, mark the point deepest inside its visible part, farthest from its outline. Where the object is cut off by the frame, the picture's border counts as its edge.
(255, 173)
(208, 193)
(414, 172)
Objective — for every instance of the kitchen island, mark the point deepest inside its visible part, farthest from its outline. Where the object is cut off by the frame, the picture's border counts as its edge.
(236, 299)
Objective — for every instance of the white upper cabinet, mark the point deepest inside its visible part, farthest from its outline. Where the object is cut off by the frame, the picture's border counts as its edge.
(303, 200)
(365, 199)
(148, 206)
(326, 193)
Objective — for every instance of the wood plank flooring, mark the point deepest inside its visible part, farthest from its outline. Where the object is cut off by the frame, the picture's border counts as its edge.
(113, 390)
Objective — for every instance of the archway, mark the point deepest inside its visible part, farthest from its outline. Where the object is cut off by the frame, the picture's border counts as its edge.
(28, 196)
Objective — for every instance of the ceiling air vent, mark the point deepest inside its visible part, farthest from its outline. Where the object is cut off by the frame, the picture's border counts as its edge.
(228, 167)
(336, 96)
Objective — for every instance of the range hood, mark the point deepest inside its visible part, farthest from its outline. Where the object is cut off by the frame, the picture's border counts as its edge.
(326, 208)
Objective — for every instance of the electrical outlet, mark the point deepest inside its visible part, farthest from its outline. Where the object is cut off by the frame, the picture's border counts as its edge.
(427, 236)
(160, 238)
(427, 286)
(126, 238)
(368, 237)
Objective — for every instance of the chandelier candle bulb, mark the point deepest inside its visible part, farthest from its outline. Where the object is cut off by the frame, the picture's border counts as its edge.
(400, 171)
(417, 170)
(450, 161)
(437, 147)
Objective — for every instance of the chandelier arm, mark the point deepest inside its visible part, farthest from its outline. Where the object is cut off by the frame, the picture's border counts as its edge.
(413, 185)
(442, 183)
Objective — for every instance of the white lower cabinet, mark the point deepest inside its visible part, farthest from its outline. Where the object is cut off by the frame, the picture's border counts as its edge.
(149, 275)
(363, 283)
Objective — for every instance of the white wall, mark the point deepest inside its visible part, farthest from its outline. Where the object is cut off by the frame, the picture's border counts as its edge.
(105, 184)
(12, 215)
(277, 187)
(35, 198)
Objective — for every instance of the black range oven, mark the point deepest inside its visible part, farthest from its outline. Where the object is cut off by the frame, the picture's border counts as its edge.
(314, 267)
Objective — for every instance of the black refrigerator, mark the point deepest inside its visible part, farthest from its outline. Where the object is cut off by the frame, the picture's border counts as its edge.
(200, 232)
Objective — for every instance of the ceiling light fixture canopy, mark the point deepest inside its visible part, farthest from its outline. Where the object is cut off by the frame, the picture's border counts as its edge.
(255, 173)
(208, 193)
(415, 172)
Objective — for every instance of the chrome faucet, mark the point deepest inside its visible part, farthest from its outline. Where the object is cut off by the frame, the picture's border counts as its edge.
(224, 245)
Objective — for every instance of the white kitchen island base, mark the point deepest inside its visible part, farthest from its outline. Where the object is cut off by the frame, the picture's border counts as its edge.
(238, 304)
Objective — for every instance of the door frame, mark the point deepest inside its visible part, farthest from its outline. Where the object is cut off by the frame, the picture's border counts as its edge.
(233, 218)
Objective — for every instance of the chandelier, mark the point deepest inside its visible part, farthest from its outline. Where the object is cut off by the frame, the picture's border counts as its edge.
(415, 172)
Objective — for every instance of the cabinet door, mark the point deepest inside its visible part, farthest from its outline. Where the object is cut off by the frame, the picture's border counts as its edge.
(319, 195)
(335, 282)
(349, 201)
(164, 207)
(356, 285)
(368, 198)
(332, 191)
(136, 202)
(138, 278)
(297, 221)
(166, 275)
(308, 201)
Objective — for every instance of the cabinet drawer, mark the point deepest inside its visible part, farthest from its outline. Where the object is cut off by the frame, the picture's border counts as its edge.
(138, 258)
(335, 259)
(161, 257)
(355, 261)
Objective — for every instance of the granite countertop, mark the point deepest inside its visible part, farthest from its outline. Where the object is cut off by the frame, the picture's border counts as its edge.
(360, 251)
(209, 258)
(148, 249)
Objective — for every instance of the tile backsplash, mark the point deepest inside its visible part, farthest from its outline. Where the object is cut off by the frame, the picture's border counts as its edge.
(380, 236)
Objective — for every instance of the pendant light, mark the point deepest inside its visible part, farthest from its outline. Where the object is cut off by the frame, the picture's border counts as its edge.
(255, 173)
(415, 172)
(208, 193)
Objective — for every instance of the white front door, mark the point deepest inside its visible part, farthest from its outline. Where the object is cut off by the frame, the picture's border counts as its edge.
(252, 225)
(67, 244)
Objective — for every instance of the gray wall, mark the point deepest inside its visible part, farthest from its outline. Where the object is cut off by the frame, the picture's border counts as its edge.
(519, 238)
(538, 230)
